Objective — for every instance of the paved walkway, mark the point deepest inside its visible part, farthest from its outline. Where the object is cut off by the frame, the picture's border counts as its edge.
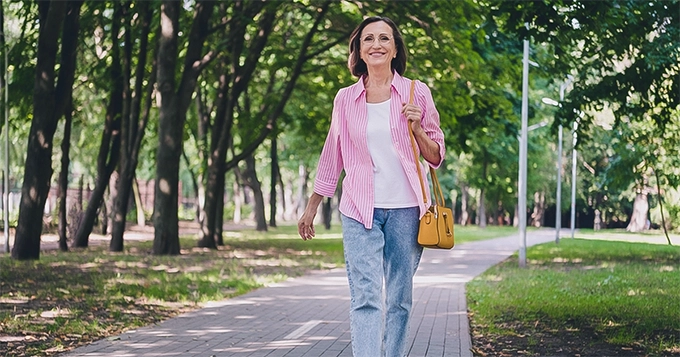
(308, 316)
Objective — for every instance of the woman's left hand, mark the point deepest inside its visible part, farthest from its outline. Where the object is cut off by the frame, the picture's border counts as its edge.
(413, 113)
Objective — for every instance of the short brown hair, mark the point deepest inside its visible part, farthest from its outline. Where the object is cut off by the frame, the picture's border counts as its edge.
(357, 66)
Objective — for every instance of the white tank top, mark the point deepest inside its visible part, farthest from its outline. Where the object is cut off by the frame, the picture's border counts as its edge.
(392, 188)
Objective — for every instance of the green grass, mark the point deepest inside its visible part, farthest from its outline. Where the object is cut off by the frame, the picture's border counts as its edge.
(464, 234)
(624, 294)
(620, 234)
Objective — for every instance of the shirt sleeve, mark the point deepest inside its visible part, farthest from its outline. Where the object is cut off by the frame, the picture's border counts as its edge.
(330, 162)
(430, 120)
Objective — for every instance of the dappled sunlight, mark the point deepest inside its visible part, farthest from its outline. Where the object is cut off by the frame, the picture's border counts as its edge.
(194, 269)
(165, 268)
(56, 312)
(236, 349)
(223, 303)
(164, 186)
(245, 317)
(33, 193)
(125, 264)
(120, 280)
(491, 277)
(6, 338)
(287, 343)
(89, 266)
(14, 300)
(566, 260)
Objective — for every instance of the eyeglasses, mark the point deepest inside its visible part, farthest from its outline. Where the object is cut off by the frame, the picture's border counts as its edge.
(369, 39)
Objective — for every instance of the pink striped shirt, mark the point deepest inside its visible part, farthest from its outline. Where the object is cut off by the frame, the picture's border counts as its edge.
(346, 147)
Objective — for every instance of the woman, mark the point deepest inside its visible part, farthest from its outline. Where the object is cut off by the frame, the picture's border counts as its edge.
(381, 200)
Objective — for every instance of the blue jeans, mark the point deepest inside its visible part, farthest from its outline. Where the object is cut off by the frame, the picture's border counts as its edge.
(387, 252)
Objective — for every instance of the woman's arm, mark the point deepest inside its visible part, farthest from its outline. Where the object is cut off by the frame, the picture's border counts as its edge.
(429, 148)
(306, 222)
(424, 120)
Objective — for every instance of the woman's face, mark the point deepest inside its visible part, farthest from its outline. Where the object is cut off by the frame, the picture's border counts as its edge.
(377, 44)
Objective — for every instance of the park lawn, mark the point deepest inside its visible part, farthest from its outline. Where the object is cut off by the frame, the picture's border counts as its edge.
(464, 234)
(580, 297)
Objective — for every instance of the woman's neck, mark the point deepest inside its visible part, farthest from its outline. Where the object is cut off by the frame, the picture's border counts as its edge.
(378, 78)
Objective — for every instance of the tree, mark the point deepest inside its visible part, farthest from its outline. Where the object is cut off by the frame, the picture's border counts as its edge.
(279, 82)
(57, 19)
(625, 57)
(135, 118)
(175, 100)
(109, 148)
(63, 177)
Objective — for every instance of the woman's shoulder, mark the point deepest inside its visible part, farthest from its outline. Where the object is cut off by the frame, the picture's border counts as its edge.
(422, 88)
(404, 82)
(350, 91)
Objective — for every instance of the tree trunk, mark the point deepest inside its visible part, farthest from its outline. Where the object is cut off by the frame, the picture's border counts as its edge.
(109, 148)
(538, 215)
(195, 178)
(133, 125)
(203, 152)
(141, 218)
(238, 201)
(303, 178)
(166, 239)
(327, 212)
(63, 179)
(274, 179)
(174, 101)
(481, 210)
(104, 216)
(81, 188)
(219, 208)
(49, 103)
(288, 188)
(597, 221)
(270, 111)
(250, 179)
(230, 89)
(638, 220)
(464, 198)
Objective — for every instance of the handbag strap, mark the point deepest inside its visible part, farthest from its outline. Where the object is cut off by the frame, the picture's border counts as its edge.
(413, 144)
(436, 188)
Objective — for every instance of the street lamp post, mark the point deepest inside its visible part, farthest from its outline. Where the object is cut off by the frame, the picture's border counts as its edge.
(5, 192)
(558, 194)
(521, 182)
(573, 181)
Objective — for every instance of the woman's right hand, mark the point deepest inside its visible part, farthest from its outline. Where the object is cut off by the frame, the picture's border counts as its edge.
(306, 222)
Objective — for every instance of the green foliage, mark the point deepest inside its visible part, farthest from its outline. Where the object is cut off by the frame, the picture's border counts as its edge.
(625, 53)
(623, 292)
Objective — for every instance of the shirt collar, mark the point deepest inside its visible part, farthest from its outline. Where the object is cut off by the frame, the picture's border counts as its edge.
(399, 83)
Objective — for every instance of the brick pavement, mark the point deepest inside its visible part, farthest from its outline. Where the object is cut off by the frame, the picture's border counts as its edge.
(308, 316)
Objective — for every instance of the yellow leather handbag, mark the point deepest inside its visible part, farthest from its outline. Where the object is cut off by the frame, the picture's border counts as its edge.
(436, 226)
